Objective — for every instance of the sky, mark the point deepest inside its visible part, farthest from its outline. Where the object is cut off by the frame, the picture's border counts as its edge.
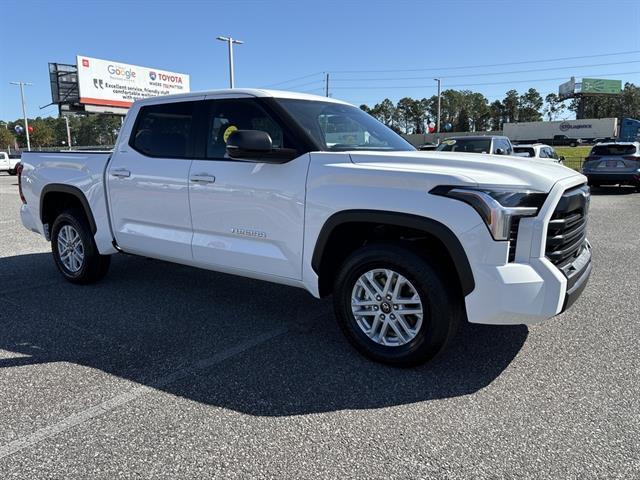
(371, 49)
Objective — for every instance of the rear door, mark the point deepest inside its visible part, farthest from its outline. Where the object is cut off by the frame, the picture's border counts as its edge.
(615, 158)
(148, 181)
(247, 216)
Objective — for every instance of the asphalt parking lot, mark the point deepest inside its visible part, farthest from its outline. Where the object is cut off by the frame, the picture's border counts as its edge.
(166, 371)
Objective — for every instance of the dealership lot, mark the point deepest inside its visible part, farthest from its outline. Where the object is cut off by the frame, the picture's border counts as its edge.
(162, 370)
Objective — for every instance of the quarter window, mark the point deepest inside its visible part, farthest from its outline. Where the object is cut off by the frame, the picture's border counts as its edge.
(164, 130)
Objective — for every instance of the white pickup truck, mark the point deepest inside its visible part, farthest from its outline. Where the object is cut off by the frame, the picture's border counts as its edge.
(313, 192)
(8, 164)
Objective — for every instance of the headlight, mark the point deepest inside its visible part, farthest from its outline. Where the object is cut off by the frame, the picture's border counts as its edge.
(497, 207)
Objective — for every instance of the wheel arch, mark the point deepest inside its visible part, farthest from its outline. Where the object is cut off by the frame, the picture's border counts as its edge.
(54, 193)
(428, 226)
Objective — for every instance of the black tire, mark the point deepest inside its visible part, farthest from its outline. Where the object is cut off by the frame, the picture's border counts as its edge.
(13, 172)
(94, 266)
(442, 304)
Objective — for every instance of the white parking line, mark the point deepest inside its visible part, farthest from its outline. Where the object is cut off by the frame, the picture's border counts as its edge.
(124, 398)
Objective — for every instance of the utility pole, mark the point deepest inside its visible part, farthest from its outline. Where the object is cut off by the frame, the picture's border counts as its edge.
(438, 121)
(230, 41)
(66, 120)
(24, 111)
(326, 85)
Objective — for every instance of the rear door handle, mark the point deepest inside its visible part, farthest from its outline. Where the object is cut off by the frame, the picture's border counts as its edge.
(202, 178)
(120, 173)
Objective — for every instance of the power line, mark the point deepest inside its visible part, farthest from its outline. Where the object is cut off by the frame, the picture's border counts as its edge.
(489, 65)
(487, 73)
(477, 84)
(289, 87)
(294, 79)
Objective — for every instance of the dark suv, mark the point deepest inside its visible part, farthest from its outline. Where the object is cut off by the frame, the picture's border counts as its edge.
(494, 144)
(616, 163)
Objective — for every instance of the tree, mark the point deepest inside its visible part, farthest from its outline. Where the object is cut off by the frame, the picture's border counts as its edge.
(7, 139)
(510, 106)
(462, 124)
(554, 106)
(529, 105)
(496, 115)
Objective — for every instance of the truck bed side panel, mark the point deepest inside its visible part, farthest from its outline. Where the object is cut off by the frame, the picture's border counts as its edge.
(83, 170)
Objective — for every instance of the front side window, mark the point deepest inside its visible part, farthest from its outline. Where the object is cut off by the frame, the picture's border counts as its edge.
(471, 145)
(164, 130)
(339, 127)
(227, 116)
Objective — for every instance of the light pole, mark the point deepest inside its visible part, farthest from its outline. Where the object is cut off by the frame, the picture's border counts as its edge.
(230, 41)
(66, 120)
(438, 121)
(24, 111)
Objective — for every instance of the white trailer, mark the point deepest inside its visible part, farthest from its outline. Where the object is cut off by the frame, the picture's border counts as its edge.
(586, 129)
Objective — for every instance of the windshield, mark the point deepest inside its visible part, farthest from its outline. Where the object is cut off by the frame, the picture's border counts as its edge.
(473, 145)
(339, 127)
(613, 150)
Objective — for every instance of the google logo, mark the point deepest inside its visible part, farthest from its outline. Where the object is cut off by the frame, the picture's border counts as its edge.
(121, 71)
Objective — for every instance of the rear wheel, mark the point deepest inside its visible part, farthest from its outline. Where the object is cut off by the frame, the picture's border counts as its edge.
(394, 306)
(74, 250)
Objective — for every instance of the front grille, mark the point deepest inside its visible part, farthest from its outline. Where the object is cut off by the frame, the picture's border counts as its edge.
(567, 228)
(513, 237)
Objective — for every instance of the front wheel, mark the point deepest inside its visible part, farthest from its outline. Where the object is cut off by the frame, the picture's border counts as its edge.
(394, 306)
(74, 250)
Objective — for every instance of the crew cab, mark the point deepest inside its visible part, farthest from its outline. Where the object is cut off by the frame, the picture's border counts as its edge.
(8, 164)
(314, 193)
(537, 150)
(495, 144)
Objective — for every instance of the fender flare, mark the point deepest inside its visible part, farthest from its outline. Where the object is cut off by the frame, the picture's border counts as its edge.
(74, 191)
(427, 225)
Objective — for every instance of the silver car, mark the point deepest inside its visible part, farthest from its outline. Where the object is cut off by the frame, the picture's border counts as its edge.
(614, 163)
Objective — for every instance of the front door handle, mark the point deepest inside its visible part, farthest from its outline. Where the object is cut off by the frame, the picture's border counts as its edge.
(120, 173)
(202, 178)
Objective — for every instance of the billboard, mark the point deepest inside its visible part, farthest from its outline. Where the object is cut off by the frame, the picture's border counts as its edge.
(567, 89)
(115, 84)
(598, 85)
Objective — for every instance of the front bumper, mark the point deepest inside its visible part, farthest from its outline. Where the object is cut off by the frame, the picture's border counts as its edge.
(530, 289)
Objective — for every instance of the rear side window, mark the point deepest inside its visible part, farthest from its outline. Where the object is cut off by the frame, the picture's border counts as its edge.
(164, 130)
(613, 150)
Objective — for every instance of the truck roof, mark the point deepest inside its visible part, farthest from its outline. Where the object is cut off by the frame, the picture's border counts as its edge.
(243, 92)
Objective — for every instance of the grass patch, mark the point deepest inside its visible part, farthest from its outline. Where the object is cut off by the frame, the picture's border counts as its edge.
(573, 156)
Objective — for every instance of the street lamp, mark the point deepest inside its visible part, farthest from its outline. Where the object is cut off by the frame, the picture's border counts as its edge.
(230, 41)
(438, 122)
(24, 110)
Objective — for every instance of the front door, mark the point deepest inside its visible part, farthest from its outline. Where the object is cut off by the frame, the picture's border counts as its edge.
(148, 182)
(247, 216)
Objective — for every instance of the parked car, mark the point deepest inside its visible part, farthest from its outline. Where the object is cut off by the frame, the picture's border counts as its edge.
(252, 183)
(8, 164)
(538, 150)
(615, 163)
(427, 147)
(494, 144)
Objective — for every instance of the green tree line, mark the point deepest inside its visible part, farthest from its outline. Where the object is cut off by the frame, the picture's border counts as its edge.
(92, 130)
(469, 111)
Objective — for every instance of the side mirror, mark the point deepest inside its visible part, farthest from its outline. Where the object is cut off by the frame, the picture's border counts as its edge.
(499, 151)
(257, 146)
(561, 158)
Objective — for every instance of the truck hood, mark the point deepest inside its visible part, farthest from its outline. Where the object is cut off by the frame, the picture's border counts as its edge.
(474, 168)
